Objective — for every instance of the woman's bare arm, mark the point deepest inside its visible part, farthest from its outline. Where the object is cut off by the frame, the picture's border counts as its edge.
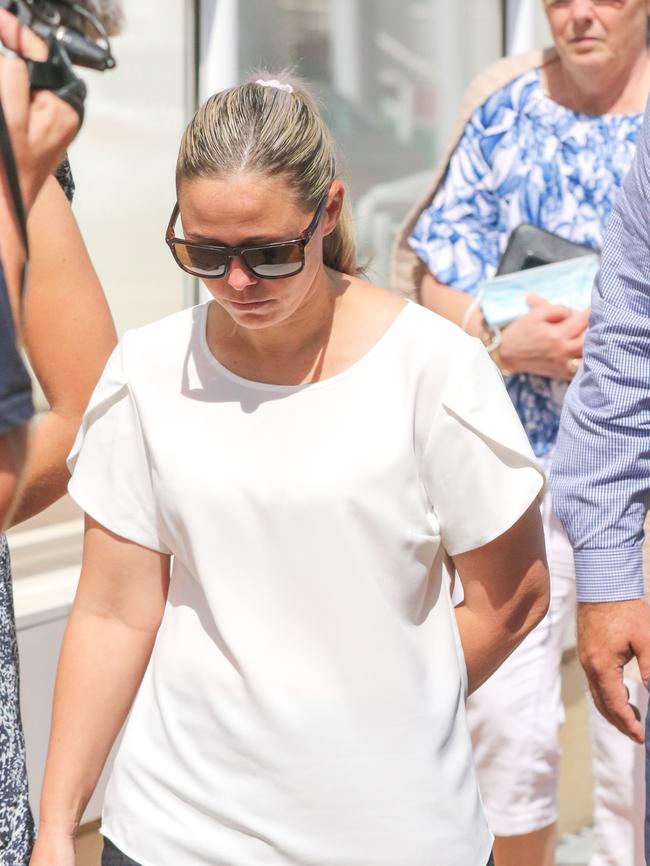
(108, 641)
(68, 334)
(450, 303)
(40, 126)
(13, 450)
(507, 593)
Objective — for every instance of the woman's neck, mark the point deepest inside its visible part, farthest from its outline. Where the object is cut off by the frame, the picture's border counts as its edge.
(610, 89)
(291, 351)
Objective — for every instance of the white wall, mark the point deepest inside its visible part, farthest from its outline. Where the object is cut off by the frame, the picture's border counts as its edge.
(124, 161)
(219, 46)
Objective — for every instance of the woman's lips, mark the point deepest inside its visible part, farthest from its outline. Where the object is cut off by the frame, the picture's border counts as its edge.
(249, 305)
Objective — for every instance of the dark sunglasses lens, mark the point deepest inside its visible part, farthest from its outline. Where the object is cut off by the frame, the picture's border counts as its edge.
(201, 261)
(272, 262)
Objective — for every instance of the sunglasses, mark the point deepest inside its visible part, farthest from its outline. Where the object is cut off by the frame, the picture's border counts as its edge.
(266, 261)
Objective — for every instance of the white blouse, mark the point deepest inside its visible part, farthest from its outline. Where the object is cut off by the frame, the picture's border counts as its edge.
(304, 703)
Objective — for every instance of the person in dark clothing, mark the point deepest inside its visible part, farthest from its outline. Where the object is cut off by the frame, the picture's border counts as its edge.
(16, 406)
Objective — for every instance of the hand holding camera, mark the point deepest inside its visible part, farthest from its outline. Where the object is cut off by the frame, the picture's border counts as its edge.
(43, 39)
(40, 124)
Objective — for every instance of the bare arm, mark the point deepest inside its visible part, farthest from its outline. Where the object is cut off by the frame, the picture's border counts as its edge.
(68, 335)
(110, 635)
(40, 127)
(507, 593)
(450, 303)
(543, 342)
(13, 448)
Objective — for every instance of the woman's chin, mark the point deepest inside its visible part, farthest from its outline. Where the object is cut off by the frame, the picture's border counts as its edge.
(254, 316)
(589, 52)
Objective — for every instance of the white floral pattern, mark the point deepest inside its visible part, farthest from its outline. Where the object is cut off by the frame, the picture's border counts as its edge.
(524, 159)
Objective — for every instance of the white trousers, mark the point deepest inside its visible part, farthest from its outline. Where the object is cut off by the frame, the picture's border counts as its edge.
(515, 721)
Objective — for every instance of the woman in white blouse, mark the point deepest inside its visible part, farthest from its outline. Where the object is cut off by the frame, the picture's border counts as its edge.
(312, 451)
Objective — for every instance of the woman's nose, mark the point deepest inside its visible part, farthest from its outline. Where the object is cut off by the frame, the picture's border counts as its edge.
(582, 10)
(239, 277)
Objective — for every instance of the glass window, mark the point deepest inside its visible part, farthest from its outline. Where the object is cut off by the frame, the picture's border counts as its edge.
(390, 77)
(541, 31)
(526, 26)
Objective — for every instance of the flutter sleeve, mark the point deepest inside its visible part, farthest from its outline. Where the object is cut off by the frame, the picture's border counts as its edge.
(478, 468)
(110, 464)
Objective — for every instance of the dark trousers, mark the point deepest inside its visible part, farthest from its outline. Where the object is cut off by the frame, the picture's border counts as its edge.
(111, 856)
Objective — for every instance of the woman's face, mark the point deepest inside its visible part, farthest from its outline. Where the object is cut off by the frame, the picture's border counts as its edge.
(250, 209)
(598, 32)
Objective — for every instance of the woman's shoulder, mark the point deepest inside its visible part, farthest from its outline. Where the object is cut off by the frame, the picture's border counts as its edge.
(515, 96)
(160, 343)
(422, 338)
(436, 340)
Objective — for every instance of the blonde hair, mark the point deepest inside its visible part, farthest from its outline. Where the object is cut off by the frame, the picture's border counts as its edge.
(270, 130)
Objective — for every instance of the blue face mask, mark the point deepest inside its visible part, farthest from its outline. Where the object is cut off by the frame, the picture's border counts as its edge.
(569, 283)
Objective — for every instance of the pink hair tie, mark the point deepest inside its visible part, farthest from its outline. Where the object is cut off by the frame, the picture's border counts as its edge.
(275, 83)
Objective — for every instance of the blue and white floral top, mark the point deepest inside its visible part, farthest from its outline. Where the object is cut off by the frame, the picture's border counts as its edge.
(524, 159)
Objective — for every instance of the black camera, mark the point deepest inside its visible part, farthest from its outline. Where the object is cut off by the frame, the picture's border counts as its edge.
(75, 37)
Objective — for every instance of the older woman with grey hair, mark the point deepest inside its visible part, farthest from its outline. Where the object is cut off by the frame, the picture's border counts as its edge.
(546, 139)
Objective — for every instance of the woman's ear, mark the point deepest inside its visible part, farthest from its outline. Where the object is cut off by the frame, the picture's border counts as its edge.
(333, 208)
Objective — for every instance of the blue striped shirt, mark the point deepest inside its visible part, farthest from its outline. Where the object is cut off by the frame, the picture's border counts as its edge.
(601, 472)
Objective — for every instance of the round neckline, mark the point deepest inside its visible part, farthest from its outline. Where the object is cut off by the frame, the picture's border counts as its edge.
(581, 115)
(290, 389)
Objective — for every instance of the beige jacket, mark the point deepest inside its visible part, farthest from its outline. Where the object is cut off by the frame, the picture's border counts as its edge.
(407, 270)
